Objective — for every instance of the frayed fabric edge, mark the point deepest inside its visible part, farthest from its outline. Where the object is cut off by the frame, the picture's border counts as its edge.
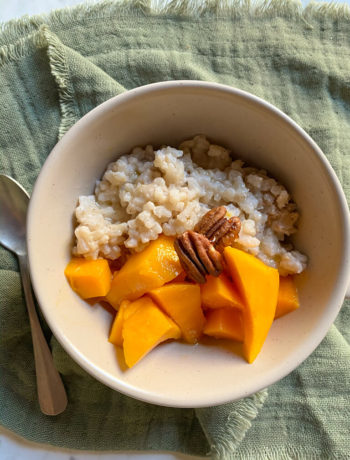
(44, 38)
(21, 47)
(235, 427)
(60, 72)
(225, 9)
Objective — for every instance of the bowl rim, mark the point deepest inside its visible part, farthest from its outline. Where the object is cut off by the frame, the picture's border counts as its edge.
(309, 344)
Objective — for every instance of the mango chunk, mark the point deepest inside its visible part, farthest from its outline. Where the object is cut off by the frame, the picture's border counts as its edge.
(145, 329)
(156, 265)
(219, 292)
(126, 309)
(182, 302)
(287, 300)
(115, 336)
(89, 278)
(224, 323)
(258, 285)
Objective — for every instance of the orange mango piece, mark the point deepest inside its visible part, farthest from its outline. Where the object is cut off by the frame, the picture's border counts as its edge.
(126, 309)
(156, 265)
(182, 302)
(144, 329)
(115, 336)
(89, 278)
(224, 323)
(220, 292)
(287, 300)
(258, 285)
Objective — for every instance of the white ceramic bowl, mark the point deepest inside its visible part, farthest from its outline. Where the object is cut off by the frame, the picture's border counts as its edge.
(176, 374)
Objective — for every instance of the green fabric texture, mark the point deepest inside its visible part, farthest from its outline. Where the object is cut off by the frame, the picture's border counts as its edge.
(56, 68)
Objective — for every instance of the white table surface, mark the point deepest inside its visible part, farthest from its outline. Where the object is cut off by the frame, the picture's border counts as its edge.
(12, 447)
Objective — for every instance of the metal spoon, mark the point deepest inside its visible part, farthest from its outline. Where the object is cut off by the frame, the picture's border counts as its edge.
(13, 209)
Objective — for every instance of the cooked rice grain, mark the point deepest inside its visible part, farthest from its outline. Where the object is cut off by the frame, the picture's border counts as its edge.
(147, 192)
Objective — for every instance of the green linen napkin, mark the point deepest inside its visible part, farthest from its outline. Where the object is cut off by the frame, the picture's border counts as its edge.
(54, 69)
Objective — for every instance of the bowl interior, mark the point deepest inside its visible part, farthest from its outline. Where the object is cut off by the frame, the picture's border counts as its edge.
(176, 374)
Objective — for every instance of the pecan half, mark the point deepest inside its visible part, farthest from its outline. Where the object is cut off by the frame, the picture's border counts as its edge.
(218, 229)
(200, 250)
(207, 254)
(227, 233)
(197, 255)
(210, 219)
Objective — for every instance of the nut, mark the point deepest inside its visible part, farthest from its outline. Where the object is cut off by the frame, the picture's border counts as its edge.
(227, 233)
(209, 220)
(207, 254)
(198, 257)
(218, 229)
(200, 250)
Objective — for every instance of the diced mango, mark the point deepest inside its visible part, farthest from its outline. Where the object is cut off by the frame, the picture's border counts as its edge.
(220, 292)
(144, 329)
(257, 284)
(182, 302)
(115, 335)
(287, 300)
(224, 323)
(126, 309)
(156, 265)
(89, 278)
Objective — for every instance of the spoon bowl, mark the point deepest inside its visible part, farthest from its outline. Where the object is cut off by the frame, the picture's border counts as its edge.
(14, 202)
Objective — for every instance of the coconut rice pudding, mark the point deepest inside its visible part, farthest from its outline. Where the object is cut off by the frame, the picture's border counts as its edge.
(149, 192)
(171, 240)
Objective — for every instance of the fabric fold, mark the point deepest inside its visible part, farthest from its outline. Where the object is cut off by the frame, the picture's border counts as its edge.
(78, 80)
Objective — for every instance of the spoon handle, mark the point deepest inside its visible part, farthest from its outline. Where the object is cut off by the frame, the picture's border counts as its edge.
(51, 393)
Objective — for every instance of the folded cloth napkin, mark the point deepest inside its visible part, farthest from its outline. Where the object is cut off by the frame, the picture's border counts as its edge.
(56, 68)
